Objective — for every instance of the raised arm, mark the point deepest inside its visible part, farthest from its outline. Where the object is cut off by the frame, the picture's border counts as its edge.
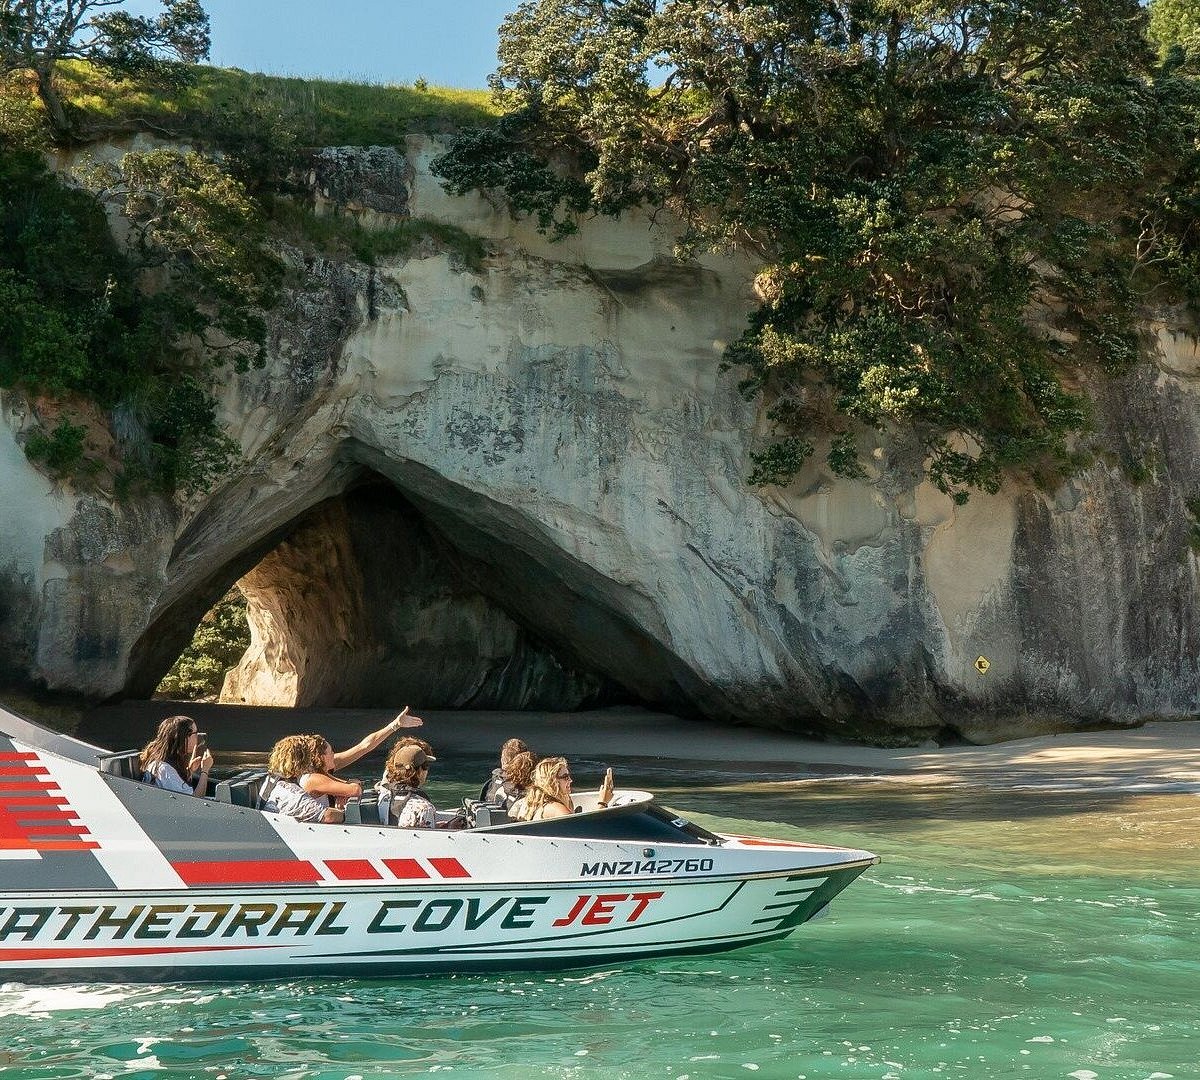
(405, 719)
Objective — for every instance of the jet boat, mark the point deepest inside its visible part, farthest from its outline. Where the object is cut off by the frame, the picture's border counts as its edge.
(106, 878)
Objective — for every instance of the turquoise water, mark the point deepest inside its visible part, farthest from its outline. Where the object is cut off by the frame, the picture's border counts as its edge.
(1006, 933)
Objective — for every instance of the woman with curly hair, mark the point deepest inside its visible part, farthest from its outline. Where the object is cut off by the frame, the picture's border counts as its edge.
(306, 788)
(170, 758)
(518, 775)
(549, 794)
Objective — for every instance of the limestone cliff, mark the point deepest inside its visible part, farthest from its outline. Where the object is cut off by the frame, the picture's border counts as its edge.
(524, 485)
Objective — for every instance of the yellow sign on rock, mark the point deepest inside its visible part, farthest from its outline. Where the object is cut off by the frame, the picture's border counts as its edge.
(982, 663)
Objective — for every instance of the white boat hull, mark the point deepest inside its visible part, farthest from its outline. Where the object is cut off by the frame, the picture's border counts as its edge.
(103, 878)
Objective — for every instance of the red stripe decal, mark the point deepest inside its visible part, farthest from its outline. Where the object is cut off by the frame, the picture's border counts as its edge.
(277, 872)
(33, 772)
(15, 802)
(64, 830)
(32, 785)
(70, 954)
(17, 755)
(353, 870)
(21, 844)
(406, 868)
(449, 867)
(46, 813)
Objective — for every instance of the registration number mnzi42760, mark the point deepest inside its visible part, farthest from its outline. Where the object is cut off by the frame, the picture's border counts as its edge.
(649, 866)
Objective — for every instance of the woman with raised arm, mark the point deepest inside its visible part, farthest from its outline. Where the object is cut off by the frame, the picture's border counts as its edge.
(549, 793)
(307, 788)
(169, 759)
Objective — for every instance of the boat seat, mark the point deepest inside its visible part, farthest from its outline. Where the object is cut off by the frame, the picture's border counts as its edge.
(480, 815)
(365, 810)
(242, 789)
(125, 764)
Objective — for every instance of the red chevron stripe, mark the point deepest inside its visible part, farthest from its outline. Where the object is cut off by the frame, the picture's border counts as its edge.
(353, 870)
(17, 843)
(406, 868)
(450, 868)
(263, 872)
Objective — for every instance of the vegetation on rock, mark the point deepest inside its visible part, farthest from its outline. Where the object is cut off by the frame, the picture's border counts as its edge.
(958, 205)
(38, 35)
(221, 638)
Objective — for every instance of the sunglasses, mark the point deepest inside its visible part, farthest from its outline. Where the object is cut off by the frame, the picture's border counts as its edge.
(564, 776)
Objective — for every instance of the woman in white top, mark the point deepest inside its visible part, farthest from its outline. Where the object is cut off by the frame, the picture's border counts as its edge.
(171, 757)
(307, 789)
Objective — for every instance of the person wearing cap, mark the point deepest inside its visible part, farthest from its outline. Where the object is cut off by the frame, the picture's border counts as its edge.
(404, 778)
(304, 766)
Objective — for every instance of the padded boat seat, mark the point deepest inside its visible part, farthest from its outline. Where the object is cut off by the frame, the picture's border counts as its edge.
(480, 815)
(125, 764)
(243, 789)
(363, 810)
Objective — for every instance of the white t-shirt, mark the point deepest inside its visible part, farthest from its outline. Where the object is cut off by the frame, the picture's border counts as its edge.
(162, 775)
(288, 797)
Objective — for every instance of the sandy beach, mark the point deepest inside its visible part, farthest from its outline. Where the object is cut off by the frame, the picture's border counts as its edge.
(1163, 755)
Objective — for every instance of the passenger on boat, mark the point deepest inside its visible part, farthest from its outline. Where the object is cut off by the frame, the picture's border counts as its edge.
(174, 753)
(307, 789)
(496, 791)
(549, 794)
(404, 777)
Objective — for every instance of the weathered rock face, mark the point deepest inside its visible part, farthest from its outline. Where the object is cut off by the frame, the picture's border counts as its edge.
(566, 519)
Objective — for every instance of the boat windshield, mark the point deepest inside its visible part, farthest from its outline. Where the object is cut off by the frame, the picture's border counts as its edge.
(643, 821)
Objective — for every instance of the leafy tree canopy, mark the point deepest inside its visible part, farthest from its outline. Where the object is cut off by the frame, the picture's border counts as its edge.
(36, 35)
(1174, 22)
(73, 321)
(941, 193)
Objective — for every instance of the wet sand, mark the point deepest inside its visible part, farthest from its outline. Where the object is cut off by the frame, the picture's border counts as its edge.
(1163, 755)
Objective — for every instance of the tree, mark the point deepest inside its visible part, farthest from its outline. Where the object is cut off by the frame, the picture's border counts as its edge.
(36, 35)
(1174, 22)
(217, 645)
(938, 191)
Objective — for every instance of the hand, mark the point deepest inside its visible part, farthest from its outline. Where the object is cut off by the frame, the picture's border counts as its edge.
(405, 719)
(606, 789)
(202, 762)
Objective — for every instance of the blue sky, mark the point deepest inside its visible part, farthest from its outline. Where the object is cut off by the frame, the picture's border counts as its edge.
(448, 42)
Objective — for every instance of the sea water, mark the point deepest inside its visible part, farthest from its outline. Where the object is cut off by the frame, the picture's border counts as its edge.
(1006, 933)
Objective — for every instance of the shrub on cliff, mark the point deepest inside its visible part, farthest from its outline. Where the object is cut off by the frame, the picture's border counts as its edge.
(221, 638)
(943, 195)
(73, 322)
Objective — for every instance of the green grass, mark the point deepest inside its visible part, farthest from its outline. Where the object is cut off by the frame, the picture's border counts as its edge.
(320, 112)
(340, 235)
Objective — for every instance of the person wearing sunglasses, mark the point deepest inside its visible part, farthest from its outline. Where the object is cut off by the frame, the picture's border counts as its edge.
(549, 794)
(176, 751)
(403, 784)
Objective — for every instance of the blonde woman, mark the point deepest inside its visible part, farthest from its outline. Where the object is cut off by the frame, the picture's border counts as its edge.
(549, 793)
(305, 765)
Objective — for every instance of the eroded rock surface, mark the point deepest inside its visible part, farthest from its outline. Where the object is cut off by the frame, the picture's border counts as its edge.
(571, 520)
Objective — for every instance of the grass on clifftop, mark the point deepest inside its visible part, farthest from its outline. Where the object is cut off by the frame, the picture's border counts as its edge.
(319, 112)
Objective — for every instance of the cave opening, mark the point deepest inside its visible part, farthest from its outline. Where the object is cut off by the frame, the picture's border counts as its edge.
(390, 593)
